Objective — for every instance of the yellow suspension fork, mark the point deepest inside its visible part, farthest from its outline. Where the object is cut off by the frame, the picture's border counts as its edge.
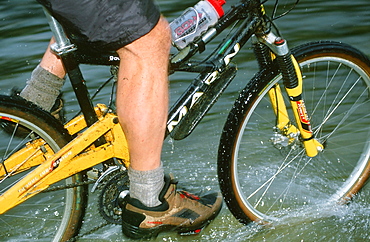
(311, 145)
(292, 78)
(283, 123)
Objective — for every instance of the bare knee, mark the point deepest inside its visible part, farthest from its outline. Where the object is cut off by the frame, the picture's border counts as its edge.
(154, 44)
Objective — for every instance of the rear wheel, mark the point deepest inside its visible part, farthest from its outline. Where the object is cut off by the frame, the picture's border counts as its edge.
(264, 177)
(54, 215)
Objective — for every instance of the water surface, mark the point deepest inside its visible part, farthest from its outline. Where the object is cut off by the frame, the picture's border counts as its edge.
(24, 36)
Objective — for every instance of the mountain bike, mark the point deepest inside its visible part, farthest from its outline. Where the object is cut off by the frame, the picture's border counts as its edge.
(298, 129)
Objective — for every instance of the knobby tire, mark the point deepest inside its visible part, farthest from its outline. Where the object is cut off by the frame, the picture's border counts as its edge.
(264, 181)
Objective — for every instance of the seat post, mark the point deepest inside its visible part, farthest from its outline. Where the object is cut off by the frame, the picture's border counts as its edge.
(62, 44)
(66, 50)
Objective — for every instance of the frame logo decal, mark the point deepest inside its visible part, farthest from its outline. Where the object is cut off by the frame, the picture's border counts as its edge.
(211, 78)
(181, 114)
(227, 58)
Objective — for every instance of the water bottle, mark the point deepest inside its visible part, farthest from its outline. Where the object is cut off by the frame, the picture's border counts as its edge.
(194, 21)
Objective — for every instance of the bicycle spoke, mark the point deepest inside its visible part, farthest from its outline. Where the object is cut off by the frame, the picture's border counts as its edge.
(271, 179)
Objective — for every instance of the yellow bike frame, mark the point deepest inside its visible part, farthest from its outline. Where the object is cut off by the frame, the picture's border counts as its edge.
(78, 155)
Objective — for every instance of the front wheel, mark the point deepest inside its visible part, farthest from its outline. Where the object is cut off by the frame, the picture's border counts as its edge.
(55, 215)
(265, 176)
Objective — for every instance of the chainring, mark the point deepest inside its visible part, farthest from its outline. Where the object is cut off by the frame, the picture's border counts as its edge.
(108, 200)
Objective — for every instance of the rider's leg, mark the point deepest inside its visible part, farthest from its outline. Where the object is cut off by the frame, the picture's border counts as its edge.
(46, 81)
(52, 63)
(142, 100)
(142, 103)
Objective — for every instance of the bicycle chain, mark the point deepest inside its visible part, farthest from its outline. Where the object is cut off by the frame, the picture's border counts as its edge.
(72, 185)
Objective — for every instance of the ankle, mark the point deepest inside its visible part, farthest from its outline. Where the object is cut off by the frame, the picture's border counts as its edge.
(146, 186)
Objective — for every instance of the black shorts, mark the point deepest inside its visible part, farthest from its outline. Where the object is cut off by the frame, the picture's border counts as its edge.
(104, 25)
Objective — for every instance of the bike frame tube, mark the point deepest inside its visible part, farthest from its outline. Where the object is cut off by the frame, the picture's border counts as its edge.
(212, 69)
(78, 155)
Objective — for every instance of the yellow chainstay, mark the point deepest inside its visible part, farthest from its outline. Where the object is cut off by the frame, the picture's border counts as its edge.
(78, 155)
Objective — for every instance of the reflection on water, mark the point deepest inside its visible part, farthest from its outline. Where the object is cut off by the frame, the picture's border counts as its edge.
(24, 37)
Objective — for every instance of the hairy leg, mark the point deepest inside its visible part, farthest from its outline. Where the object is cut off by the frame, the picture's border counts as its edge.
(142, 95)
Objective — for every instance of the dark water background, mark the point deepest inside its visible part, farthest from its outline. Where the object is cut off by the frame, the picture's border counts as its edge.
(24, 36)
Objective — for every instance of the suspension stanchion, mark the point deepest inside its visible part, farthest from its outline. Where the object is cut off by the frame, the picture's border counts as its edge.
(294, 90)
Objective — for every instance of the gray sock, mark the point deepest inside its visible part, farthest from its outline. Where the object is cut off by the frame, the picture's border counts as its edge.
(43, 88)
(146, 185)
